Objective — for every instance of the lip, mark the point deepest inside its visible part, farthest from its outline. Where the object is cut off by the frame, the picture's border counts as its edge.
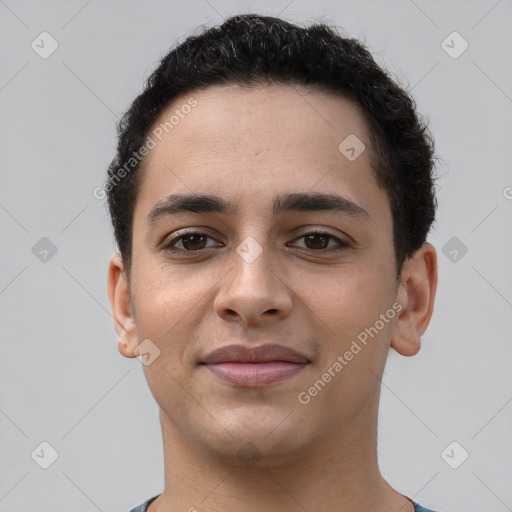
(261, 354)
(254, 366)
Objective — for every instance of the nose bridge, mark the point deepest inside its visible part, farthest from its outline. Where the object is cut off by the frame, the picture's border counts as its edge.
(251, 262)
(253, 287)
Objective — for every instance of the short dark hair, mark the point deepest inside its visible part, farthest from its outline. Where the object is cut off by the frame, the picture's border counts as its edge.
(255, 50)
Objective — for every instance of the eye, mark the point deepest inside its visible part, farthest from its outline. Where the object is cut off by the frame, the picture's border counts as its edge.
(320, 240)
(190, 241)
(195, 241)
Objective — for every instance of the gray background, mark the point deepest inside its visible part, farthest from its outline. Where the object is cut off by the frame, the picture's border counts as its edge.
(62, 378)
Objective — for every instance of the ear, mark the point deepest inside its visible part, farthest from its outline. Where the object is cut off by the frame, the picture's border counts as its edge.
(416, 294)
(120, 303)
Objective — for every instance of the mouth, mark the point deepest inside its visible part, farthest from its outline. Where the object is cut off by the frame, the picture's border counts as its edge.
(253, 367)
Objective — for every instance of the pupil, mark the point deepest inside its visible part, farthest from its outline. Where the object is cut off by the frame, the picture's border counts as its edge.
(316, 236)
(190, 239)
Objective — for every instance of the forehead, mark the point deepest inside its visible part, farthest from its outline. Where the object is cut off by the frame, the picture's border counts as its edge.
(276, 114)
(263, 140)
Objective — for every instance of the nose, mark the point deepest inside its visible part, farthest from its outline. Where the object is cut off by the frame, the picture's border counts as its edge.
(253, 292)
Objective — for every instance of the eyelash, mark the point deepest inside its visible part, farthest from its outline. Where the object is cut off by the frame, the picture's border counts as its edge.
(168, 246)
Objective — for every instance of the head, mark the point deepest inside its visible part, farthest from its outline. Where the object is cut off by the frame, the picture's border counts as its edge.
(319, 177)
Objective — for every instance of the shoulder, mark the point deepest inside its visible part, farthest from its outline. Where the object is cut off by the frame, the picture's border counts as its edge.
(144, 506)
(419, 508)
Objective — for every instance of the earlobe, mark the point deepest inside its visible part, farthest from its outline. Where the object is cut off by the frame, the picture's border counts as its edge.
(120, 303)
(416, 294)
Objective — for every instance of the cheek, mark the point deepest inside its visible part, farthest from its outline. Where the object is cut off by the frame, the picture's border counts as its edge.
(172, 304)
(165, 305)
(347, 314)
(346, 311)
(170, 308)
(348, 299)
(166, 314)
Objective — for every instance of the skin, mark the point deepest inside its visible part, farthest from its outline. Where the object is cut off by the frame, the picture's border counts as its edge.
(249, 145)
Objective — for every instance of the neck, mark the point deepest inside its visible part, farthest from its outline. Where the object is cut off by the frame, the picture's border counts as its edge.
(341, 474)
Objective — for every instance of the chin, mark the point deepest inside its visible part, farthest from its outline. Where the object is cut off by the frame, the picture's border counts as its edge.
(256, 439)
(246, 452)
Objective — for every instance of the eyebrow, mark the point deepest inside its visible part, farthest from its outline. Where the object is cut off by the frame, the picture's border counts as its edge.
(296, 202)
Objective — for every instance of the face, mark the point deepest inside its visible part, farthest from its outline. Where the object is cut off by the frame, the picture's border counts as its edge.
(313, 272)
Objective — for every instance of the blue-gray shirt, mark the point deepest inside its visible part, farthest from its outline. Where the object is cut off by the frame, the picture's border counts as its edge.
(144, 506)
